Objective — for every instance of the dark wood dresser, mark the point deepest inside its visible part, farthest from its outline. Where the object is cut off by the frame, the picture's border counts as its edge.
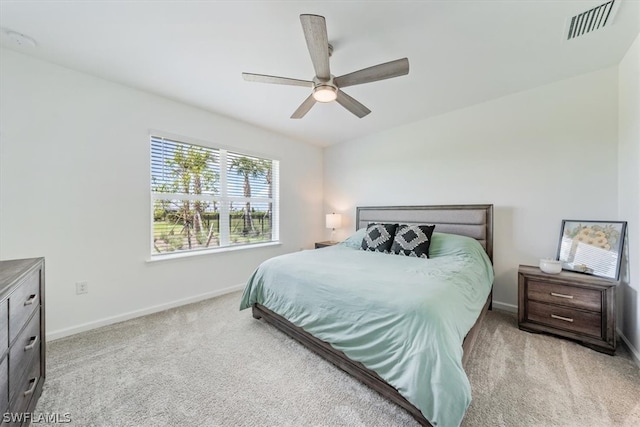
(570, 305)
(22, 338)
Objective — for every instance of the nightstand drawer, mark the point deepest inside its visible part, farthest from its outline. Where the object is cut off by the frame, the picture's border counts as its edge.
(566, 318)
(569, 296)
(571, 305)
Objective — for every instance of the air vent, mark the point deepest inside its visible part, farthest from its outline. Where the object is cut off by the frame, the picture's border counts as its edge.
(591, 20)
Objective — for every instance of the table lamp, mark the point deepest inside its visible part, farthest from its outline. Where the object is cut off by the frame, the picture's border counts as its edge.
(333, 221)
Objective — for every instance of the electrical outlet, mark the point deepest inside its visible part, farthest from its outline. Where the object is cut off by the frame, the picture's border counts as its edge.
(82, 288)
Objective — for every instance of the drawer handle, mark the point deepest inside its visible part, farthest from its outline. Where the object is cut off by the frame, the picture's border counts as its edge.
(33, 342)
(566, 319)
(561, 295)
(33, 382)
(31, 299)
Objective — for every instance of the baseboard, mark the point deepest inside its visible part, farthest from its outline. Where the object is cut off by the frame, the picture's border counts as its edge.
(61, 333)
(504, 306)
(635, 354)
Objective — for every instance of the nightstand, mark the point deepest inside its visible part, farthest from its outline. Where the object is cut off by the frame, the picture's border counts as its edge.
(325, 244)
(570, 305)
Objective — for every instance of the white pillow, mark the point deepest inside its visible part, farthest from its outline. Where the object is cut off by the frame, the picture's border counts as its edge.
(355, 240)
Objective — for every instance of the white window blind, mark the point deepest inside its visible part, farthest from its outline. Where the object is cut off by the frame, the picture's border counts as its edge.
(205, 198)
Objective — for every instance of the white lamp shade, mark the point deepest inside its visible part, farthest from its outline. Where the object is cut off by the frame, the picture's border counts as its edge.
(334, 220)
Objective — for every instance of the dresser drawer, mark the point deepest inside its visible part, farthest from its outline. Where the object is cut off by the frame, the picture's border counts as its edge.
(568, 296)
(4, 385)
(4, 326)
(25, 389)
(22, 302)
(23, 352)
(566, 318)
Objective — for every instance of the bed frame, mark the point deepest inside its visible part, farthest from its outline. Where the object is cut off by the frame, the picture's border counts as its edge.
(474, 221)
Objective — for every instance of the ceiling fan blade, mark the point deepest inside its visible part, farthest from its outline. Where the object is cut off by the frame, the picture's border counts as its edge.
(304, 107)
(352, 105)
(396, 68)
(315, 32)
(263, 78)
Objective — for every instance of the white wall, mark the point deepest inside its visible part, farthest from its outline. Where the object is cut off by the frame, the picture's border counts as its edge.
(74, 186)
(629, 190)
(539, 156)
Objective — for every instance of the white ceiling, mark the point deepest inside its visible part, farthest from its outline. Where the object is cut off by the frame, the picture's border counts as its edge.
(460, 52)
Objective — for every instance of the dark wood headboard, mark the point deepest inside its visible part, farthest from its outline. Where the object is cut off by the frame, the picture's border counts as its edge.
(474, 221)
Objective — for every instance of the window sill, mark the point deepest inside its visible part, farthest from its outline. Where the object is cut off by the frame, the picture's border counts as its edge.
(169, 256)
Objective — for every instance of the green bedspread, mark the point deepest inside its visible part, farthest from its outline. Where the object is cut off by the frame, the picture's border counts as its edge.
(404, 318)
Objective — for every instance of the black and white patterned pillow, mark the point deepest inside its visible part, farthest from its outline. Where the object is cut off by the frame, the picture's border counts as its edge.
(379, 237)
(412, 240)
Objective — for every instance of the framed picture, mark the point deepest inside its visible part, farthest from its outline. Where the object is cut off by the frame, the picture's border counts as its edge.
(592, 247)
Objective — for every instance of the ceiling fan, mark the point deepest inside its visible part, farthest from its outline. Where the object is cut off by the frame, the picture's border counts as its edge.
(327, 87)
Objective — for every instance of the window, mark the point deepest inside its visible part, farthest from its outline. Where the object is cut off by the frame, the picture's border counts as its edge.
(206, 198)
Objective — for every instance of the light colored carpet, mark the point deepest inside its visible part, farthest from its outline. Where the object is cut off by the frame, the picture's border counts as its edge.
(207, 364)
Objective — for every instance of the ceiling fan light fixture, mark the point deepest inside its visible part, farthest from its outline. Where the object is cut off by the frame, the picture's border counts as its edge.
(325, 93)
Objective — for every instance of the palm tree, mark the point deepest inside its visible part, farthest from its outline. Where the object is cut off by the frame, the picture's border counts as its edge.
(248, 167)
(192, 175)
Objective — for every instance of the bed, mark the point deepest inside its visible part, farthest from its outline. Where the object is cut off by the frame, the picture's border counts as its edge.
(404, 326)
